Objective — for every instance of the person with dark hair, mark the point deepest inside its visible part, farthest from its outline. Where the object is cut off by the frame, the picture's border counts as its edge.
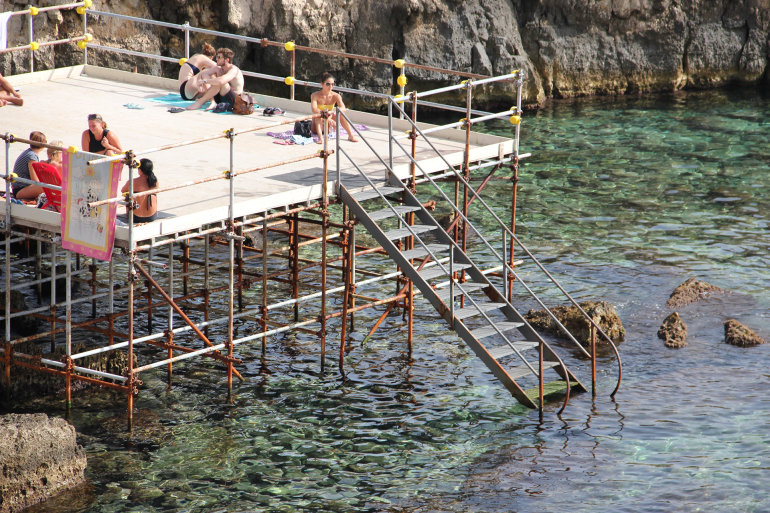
(326, 99)
(190, 85)
(98, 139)
(23, 168)
(147, 209)
(224, 80)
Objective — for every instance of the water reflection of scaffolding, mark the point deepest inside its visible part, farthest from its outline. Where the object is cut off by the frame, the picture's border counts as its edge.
(142, 253)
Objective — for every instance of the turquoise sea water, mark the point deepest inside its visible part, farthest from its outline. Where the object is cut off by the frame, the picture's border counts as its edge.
(623, 199)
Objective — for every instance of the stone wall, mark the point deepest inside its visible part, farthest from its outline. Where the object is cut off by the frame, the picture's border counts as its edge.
(39, 457)
(567, 48)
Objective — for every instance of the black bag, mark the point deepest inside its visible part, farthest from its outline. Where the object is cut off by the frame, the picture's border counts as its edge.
(302, 128)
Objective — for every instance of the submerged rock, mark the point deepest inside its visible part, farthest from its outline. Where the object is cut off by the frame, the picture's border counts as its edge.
(601, 312)
(691, 291)
(23, 325)
(673, 331)
(739, 335)
(39, 457)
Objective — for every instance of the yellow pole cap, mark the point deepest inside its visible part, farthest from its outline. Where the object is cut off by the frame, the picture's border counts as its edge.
(13, 175)
(401, 80)
(515, 120)
(464, 82)
(514, 72)
(33, 11)
(81, 45)
(81, 10)
(72, 149)
(34, 46)
(289, 46)
(87, 3)
(182, 61)
(89, 37)
(399, 63)
(288, 80)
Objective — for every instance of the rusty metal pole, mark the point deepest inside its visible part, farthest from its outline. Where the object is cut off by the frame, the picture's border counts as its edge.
(149, 295)
(93, 287)
(467, 176)
(240, 265)
(111, 299)
(7, 230)
(353, 273)
(68, 347)
(264, 283)
(207, 241)
(53, 296)
(231, 270)
(185, 266)
(346, 251)
(324, 229)
(295, 264)
(413, 187)
(593, 360)
(515, 176)
(131, 279)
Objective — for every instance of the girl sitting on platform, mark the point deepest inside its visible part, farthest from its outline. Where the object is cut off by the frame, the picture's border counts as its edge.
(147, 209)
(326, 99)
(23, 169)
(97, 139)
(190, 85)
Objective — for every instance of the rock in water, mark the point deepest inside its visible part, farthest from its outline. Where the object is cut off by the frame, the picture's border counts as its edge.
(601, 312)
(689, 292)
(39, 457)
(739, 335)
(673, 331)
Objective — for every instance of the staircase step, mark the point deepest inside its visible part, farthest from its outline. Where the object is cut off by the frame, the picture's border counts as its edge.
(400, 233)
(386, 213)
(522, 370)
(370, 194)
(421, 252)
(488, 331)
(470, 286)
(503, 351)
(436, 271)
(549, 388)
(470, 311)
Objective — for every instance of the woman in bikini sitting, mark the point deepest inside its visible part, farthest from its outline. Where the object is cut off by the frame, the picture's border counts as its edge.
(147, 210)
(190, 87)
(326, 99)
(97, 139)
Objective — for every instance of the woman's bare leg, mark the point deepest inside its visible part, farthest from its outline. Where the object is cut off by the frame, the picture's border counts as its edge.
(346, 126)
(29, 192)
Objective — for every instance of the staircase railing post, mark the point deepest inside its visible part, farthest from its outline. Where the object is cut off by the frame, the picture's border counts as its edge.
(390, 137)
(505, 267)
(593, 360)
(452, 285)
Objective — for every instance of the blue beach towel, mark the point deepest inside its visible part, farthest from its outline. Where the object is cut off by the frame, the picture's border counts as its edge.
(175, 100)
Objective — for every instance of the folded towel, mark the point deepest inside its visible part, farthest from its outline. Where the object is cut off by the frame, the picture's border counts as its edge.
(298, 139)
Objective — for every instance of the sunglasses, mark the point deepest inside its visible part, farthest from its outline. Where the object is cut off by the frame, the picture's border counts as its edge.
(329, 83)
(94, 117)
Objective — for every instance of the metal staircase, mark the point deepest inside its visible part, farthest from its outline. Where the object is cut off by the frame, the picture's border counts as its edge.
(508, 362)
(485, 315)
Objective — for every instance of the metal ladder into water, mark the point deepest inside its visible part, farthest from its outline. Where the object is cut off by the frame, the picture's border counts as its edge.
(509, 362)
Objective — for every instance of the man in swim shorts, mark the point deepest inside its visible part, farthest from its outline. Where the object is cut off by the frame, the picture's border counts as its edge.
(225, 81)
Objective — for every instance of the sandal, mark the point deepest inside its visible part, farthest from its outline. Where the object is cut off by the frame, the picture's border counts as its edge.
(133, 106)
(174, 110)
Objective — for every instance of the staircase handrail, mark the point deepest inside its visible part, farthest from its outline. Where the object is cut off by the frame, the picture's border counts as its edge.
(425, 247)
(513, 236)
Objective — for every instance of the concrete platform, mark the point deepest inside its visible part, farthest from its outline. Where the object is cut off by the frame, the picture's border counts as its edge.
(57, 103)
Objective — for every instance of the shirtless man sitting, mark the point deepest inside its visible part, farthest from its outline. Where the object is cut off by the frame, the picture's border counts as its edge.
(225, 81)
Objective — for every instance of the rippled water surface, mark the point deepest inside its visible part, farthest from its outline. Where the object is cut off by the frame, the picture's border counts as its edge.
(624, 199)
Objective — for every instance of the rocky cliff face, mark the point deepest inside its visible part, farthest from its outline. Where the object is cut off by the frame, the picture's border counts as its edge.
(568, 48)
